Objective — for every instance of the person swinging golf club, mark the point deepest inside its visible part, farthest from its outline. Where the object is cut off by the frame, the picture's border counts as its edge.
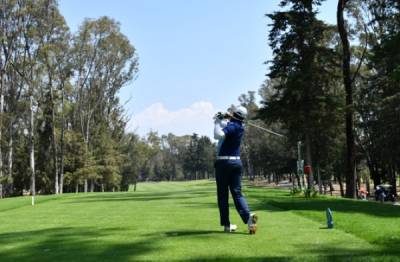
(229, 131)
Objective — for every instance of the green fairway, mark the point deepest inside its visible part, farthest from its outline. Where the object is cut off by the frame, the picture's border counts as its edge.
(179, 222)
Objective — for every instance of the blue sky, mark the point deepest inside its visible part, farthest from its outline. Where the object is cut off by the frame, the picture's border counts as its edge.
(196, 56)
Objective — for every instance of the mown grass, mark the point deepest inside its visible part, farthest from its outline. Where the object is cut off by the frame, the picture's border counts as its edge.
(377, 223)
(179, 222)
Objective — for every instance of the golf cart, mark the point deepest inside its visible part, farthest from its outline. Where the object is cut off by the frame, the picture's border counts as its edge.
(384, 193)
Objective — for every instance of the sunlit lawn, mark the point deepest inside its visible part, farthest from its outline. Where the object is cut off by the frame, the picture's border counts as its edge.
(179, 222)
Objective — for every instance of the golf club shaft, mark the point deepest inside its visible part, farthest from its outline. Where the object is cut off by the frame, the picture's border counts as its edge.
(256, 126)
(265, 129)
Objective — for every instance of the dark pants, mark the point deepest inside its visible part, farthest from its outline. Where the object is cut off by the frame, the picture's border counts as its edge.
(228, 174)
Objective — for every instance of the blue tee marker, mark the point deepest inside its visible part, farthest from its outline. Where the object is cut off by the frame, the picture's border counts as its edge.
(329, 218)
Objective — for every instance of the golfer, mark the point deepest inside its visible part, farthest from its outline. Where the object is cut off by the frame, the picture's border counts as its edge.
(229, 131)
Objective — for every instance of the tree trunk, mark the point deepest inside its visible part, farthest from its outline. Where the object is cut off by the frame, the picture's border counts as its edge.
(91, 185)
(62, 143)
(86, 186)
(54, 144)
(319, 180)
(276, 180)
(393, 179)
(373, 170)
(76, 188)
(170, 174)
(32, 154)
(350, 159)
(55, 163)
(1, 127)
(358, 184)
(53, 133)
(87, 150)
(341, 186)
(331, 189)
(250, 169)
(367, 185)
(10, 159)
(292, 177)
(298, 181)
(308, 161)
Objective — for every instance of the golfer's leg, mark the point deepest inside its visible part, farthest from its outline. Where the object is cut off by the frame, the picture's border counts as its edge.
(236, 191)
(222, 193)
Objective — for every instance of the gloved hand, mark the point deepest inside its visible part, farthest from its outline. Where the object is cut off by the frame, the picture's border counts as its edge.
(219, 116)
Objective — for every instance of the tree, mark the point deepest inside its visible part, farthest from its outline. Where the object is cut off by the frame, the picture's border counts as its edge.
(248, 145)
(206, 155)
(378, 97)
(302, 74)
(54, 51)
(59, 109)
(350, 160)
(104, 61)
(10, 20)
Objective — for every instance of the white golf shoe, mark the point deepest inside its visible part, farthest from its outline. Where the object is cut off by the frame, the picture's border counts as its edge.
(252, 223)
(230, 228)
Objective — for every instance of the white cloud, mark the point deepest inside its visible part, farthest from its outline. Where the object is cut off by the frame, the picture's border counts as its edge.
(197, 118)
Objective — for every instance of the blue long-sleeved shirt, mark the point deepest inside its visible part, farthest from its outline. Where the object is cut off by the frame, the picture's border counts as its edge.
(229, 143)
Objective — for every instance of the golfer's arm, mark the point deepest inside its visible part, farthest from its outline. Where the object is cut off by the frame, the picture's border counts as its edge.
(218, 129)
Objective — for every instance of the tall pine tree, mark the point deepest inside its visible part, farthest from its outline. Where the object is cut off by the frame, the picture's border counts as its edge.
(304, 73)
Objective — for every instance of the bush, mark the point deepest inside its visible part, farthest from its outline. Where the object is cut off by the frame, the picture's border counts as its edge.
(310, 193)
(295, 191)
(307, 193)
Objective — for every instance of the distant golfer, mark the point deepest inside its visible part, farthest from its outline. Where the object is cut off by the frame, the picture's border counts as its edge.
(229, 131)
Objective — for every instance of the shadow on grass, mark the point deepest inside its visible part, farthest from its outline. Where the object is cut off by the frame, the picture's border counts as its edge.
(318, 253)
(190, 233)
(12, 203)
(333, 253)
(369, 214)
(287, 202)
(70, 244)
(201, 205)
(390, 243)
(129, 196)
(242, 259)
(91, 244)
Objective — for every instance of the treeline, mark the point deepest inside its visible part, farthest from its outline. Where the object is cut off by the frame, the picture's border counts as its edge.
(167, 157)
(62, 126)
(61, 121)
(335, 88)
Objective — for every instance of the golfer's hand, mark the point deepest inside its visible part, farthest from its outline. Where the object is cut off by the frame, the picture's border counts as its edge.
(219, 116)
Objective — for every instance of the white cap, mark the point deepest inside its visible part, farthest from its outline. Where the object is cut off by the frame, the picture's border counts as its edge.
(240, 112)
